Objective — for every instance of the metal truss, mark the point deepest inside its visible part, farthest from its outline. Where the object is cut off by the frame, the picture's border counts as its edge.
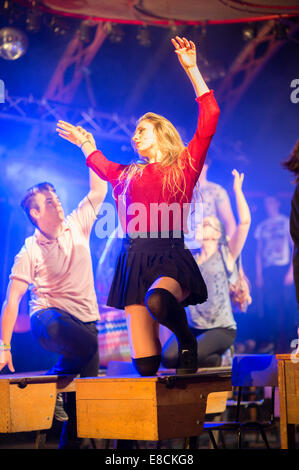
(248, 64)
(76, 59)
(56, 102)
(44, 114)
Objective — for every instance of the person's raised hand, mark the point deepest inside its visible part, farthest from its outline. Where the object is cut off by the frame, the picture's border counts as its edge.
(74, 134)
(186, 52)
(238, 180)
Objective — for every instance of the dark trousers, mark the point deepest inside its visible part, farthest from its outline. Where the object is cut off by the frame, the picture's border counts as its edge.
(211, 344)
(77, 344)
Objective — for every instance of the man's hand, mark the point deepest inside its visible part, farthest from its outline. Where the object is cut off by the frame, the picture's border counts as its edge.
(6, 359)
(15, 292)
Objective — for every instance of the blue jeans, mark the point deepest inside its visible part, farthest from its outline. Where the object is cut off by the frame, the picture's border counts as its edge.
(211, 344)
(76, 342)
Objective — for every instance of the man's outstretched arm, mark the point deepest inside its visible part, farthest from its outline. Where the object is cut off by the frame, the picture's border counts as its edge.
(15, 291)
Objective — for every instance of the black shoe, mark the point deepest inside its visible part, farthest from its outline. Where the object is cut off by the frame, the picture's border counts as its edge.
(187, 363)
(59, 412)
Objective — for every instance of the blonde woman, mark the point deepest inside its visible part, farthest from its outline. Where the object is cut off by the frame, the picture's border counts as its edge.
(212, 322)
(155, 276)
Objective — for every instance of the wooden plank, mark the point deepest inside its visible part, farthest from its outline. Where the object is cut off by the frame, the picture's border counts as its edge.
(202, 385)
(289, 378)
(116, 408)
(296, 378)
(288, 400)
(28, 400)
(183, 420)
(282, 404)
(151, 408)
(292, 391)
(32, 407)
(283, 357)
(114, 389)
(117, 419)
(185, 395)
(64, 383)
(292, 409)
(4, 407)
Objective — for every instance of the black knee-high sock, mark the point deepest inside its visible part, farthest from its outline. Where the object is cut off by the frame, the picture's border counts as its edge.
(147, 366)
(164, 308)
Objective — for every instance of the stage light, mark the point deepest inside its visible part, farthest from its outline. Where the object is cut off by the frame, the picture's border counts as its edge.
(57, 25)
(248, 33)
(13, 43)
(115, 32)
(213, 72)
(86, 31)
(143, 36)
(5, 8)
(11, 12)
(280, 30)
(33, 21)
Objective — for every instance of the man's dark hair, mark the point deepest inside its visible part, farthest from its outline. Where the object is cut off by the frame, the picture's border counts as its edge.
(29, 202)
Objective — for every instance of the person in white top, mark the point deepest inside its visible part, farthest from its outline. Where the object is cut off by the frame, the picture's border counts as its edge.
(55, 264)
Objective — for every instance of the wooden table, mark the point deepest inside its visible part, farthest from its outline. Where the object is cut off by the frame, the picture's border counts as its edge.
(147, 408)
(28, 400)
(288, 385)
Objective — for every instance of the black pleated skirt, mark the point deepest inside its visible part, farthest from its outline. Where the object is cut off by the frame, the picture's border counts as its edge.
(143, 260)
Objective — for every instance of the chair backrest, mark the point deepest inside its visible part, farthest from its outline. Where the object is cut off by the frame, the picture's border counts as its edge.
(254, 370)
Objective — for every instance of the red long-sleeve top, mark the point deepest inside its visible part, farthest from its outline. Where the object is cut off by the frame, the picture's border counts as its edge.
(145, 206)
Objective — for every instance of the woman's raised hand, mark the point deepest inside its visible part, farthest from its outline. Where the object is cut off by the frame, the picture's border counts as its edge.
(238, 180)
(74, 134)
(186, 52)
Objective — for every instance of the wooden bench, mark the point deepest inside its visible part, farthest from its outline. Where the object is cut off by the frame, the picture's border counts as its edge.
(28, 400)
(288, 386)
(147, 408)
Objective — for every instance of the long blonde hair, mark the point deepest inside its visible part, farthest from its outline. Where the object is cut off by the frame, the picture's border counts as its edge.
(171, 147)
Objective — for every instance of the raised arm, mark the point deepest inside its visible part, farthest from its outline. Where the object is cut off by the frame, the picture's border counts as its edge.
(186, 52)
(208, 108)
(15, 291)
(238, 238)
(105, 169)
(85, 141)
(226, 215)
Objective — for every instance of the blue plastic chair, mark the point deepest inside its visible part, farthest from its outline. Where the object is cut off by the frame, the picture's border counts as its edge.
(253, 370)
